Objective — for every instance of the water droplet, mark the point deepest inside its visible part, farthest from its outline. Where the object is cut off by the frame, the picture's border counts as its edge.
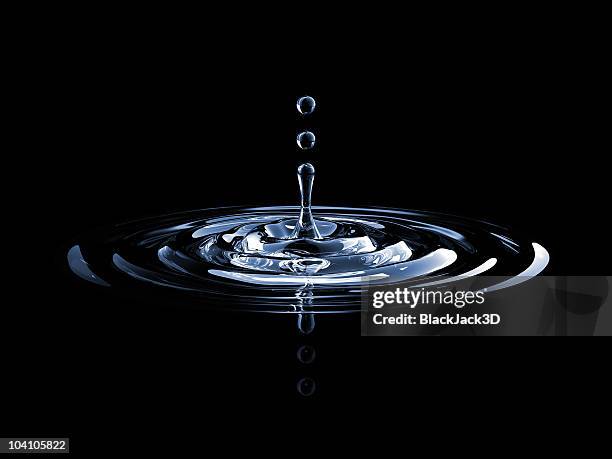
(306, 386)
(306, 354)
(306, 169)
(306, 140)
(306, 105)
(306, 175)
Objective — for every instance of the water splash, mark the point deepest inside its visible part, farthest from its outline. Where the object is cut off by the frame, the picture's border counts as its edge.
(306, 227)
(247, 258)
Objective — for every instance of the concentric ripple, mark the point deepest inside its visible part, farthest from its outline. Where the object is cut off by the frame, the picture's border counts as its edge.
(249, 258)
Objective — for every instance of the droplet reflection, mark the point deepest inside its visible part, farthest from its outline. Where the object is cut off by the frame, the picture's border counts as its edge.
(306, 387)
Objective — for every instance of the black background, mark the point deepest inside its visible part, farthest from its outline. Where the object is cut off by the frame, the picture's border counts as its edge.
(119, 127)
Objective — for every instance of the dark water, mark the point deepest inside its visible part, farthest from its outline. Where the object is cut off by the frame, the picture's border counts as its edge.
(305, 259)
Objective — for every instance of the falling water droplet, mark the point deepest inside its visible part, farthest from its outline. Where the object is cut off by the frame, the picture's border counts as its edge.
(306, 105)
(306, 226)
(306, 140)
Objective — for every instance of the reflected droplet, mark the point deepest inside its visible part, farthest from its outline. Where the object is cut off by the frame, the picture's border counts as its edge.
(306, 105)
(306, 354)
(306, 386)
(306, 140)
(306, 323)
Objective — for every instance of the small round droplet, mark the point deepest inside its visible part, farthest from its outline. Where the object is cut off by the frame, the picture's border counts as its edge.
(306, 169)
(306, 354)
(306, 105)
(306, 386)
(306, 140)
